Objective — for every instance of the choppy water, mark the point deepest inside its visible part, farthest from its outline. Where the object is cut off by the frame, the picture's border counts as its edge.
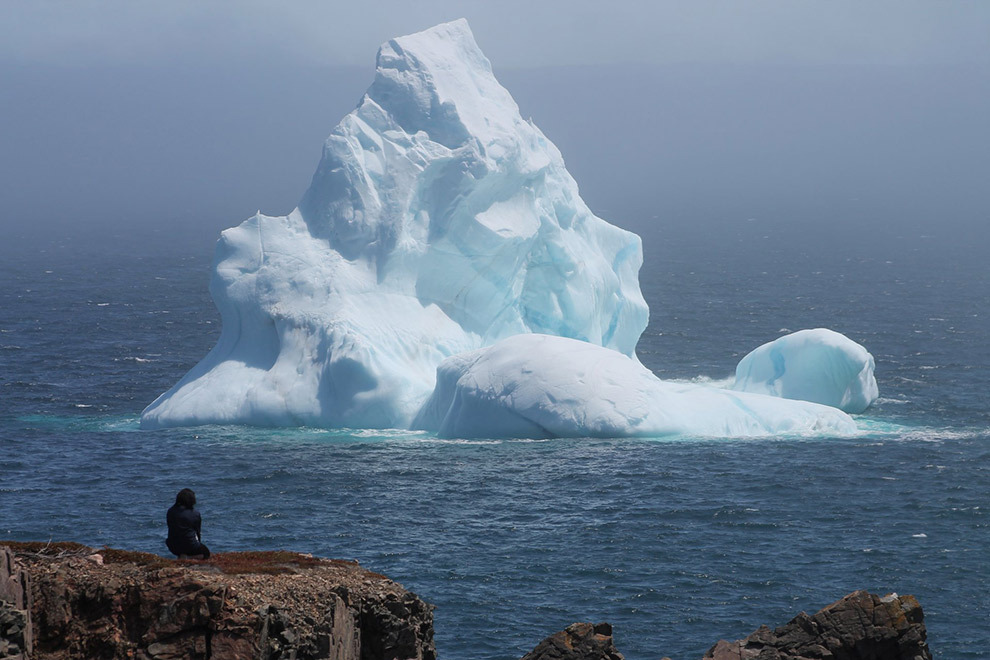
(676, 542)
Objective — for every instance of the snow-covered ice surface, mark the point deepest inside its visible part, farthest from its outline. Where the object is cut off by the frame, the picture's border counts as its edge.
(443, 230)
(817, 365)
(438, 221)
(538, 386)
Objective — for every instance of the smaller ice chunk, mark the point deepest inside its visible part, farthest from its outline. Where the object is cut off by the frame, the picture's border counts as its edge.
(541, 386)
(820, 365)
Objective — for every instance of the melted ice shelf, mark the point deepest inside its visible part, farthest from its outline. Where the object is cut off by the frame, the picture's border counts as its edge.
(442, 229)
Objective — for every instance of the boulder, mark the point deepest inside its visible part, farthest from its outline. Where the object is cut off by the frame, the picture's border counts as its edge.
(578, 641)
(861, 626)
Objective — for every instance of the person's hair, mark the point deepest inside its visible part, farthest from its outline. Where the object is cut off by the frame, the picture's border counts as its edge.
(186, 498)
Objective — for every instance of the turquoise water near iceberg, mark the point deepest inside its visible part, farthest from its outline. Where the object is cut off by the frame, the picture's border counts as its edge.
(677, 542)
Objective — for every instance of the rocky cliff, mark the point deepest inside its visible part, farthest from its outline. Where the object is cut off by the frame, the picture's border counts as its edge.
(62, 601)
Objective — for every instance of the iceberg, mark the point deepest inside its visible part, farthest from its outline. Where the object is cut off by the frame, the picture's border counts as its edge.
(818, 365)
(438, 221)
(443, 273)
(538, 386)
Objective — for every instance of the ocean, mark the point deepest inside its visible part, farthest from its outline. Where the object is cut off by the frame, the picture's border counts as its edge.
(677, 542)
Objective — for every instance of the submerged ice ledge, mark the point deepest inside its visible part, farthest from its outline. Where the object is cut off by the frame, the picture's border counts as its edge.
(443, 230)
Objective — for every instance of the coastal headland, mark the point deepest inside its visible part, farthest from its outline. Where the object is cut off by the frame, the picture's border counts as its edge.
(66, 600)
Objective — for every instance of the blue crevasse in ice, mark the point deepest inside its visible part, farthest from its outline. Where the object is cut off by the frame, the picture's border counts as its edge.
(438, 221)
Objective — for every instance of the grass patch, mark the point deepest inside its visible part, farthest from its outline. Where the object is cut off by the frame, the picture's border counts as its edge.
(115, 556)
(267, 562)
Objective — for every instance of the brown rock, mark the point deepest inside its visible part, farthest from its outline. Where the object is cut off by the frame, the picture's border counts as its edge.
(579, 641)
(15, 624)
(276, 605)
(57, 603)
(861, 626)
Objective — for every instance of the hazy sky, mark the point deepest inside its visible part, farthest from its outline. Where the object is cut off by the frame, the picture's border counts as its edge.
(513, 33)
(198, 113)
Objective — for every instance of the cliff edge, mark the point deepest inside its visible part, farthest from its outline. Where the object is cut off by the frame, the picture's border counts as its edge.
(65, 600)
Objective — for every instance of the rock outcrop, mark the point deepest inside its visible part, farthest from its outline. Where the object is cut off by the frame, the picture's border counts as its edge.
(67, 601)
(861, 626)
(578, 641)
(15, 629)
(63, 601)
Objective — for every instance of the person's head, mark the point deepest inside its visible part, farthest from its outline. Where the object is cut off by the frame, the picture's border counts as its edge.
(186, 498)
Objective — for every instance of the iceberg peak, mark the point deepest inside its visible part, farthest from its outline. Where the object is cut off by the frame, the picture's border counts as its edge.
(438, 81)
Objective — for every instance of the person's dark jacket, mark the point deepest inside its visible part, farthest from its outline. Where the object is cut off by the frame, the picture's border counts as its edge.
(183, 530)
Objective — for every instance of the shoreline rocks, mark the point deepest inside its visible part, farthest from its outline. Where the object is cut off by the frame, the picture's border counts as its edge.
(578, 641)
(860, 626)
(65, 600)
(75, 602)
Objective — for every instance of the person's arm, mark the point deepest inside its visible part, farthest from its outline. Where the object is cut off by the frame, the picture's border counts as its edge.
(198, 525)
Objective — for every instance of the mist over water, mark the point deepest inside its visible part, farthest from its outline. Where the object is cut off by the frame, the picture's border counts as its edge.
(188, 148)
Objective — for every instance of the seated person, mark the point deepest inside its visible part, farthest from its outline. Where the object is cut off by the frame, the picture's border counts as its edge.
(184, 528)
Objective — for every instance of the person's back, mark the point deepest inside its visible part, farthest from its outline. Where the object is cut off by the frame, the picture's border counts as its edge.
(184, 525)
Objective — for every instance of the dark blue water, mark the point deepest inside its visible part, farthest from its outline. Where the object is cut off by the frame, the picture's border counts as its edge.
(676, 542)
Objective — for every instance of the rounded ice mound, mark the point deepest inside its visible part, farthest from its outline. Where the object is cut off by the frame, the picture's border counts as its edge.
(438, 221)
(538, 386)
(817, 365)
